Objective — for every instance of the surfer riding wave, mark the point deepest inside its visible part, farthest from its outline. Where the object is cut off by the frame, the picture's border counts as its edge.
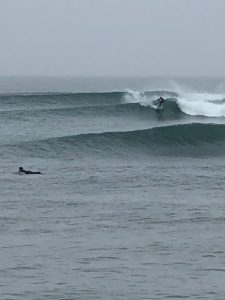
(160, 101)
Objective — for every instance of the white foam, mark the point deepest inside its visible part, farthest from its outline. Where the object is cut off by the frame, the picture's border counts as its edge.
(139, 97)
(202, 104)
(134, 96)
(191, 103)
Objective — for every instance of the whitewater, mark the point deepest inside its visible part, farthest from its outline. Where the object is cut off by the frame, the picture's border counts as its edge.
(131, 203)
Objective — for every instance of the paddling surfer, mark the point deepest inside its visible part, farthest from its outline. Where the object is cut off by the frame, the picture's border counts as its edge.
(21, 171)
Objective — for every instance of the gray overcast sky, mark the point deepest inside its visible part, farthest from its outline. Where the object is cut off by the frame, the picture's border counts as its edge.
(112, 37)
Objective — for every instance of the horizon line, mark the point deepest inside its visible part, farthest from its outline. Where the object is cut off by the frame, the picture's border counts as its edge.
(113, 76)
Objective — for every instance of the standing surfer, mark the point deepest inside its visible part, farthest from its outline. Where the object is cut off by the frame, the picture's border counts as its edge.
(161, 101)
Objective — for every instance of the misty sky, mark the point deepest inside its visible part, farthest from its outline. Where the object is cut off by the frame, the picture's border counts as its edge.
(112, 37)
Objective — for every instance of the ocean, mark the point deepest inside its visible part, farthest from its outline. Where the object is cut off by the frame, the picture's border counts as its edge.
(131, 202)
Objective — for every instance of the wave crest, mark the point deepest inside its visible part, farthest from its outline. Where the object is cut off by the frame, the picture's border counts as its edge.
(194, 104)
(173, 140)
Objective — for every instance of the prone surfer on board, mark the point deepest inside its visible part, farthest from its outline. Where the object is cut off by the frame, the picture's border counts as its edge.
(21, 171)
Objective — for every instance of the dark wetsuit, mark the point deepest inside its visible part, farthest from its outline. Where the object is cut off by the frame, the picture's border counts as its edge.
(161, 101)
(30, 172)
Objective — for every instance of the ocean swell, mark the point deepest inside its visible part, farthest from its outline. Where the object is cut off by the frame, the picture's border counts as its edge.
(174, 140)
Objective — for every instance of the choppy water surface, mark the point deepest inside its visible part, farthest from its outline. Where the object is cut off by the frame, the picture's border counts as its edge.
(131, 203)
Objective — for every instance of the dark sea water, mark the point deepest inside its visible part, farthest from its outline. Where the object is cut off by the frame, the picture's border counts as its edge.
(131, 204)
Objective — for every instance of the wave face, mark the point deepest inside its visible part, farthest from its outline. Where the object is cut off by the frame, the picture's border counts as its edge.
(114, 123)
(195, 104)
(175, 140)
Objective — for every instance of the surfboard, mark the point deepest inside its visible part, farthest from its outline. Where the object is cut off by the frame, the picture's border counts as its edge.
(158, 109)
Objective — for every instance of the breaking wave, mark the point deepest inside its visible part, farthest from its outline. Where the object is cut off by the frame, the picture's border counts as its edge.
(191, 104)
(127, 123)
